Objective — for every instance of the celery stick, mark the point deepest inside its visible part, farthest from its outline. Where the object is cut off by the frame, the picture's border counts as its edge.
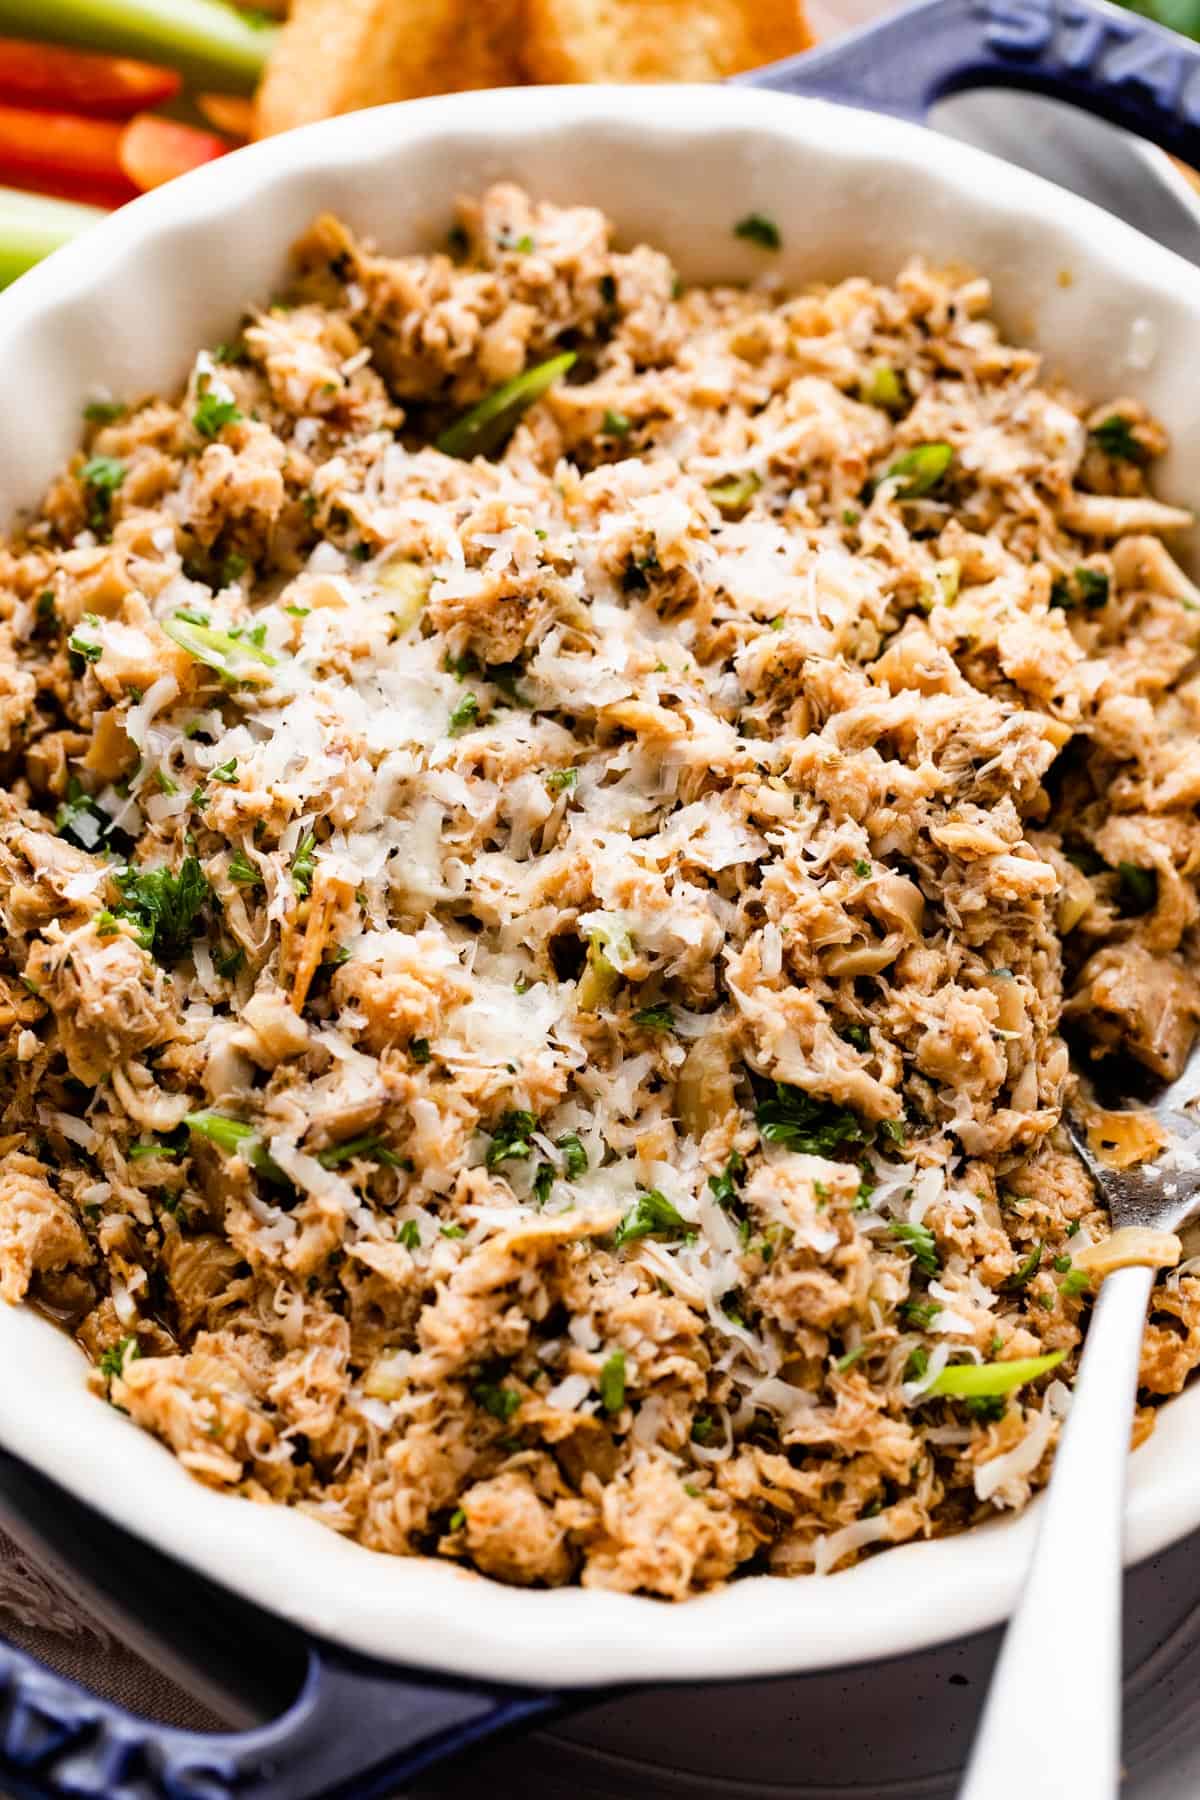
(210, 42)
(31, 226)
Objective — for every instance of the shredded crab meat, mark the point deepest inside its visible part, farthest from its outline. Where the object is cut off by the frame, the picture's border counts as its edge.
(534, 980)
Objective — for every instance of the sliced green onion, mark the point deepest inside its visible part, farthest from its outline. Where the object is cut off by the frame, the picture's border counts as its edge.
(486, 426)
(612, 1383)
(219, 649)
(734, 494)
(236, 1138)
(980, 1380)
(918, 471)
(883, 388)
(1025, 1271)
(370, 1145)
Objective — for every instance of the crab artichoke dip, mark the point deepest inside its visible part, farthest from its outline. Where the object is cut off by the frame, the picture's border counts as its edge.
(554, 823)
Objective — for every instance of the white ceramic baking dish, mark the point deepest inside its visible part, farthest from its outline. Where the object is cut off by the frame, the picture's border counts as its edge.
(854, 191)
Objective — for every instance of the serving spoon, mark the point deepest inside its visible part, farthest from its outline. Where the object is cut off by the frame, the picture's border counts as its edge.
(1051, 1726)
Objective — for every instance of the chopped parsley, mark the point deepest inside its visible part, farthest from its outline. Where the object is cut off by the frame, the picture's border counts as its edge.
(101, 477)
(723, 1187)
(575, 1159)
(611, 1385)
(862, 868)
(543, 1182)
(1091, 586)
(86, 648)
(303, 866)
(464, 715)
(1114, 436)
(212, 415)
(793, 1118)
(501, 1402)
(987, 1407)
(164, 906)
(651, 1215)
(562, 781)
(240, 869)
(511, 1139)
(757, 228)
(1138, 890)
(655, 1018)
(409, 1234)
(81, 820)
(112, 1362)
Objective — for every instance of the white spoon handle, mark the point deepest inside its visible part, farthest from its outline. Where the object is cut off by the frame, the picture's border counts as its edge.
(1052, 1722)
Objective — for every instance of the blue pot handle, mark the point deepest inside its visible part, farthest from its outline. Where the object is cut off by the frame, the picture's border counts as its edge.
(355, 1727)
(1129, 71)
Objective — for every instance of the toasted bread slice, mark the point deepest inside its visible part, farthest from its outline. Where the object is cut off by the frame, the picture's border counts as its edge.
(335, 56)
(657, 40)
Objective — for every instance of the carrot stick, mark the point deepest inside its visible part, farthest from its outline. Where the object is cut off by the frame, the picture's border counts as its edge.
(114, 87)
(63, 154)
(153, 150)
